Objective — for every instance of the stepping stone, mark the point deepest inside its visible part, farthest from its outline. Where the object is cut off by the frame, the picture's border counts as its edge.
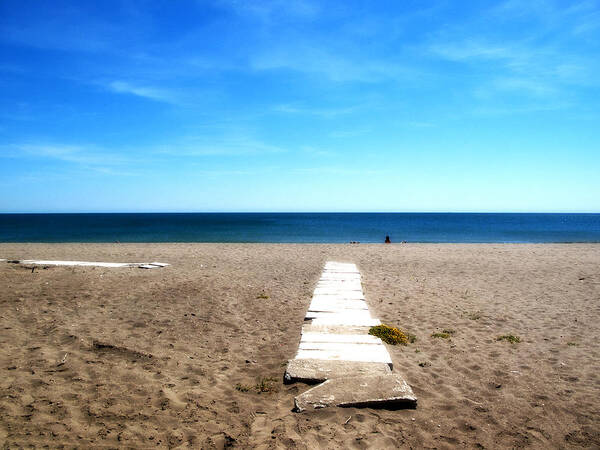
(334, 329)
(340, 314)
(345, 338)
(339, 287)
(349, 352)
(321, 305)
(390, 391)
(351, 295)
(343, 347)
(340, 276)
(318, 370)
(347, 320)
(339, 283)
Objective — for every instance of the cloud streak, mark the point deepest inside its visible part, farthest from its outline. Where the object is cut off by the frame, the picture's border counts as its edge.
(150, 93)
(203, 146)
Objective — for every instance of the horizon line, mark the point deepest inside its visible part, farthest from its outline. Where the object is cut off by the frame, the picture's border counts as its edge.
(299, 212)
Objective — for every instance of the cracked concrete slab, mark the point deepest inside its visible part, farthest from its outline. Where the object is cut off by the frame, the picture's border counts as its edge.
(375, 391)
(316, 371)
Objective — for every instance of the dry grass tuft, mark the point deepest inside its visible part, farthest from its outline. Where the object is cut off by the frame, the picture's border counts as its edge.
(510, 338)
(391, 335)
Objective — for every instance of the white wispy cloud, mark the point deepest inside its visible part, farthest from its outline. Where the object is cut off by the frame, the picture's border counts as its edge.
(469, 49)
(217, 146)
(340, 170)
(268, 10)
(417, 124)
(151, 93)
(88, 158)
(544, 58)
(348, 133)
(315, 111)
(317, 151)
(338, 66)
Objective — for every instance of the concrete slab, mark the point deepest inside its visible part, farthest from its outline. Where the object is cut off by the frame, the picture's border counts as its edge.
(341, 346)
(341, 270)
(334, 329)
(342, 338)
(375, 391)
(338, 287)
(318, 370)
(344, 279)
(339, 284)
(345, 302)
(374, 353)
(339, 314)
(346, 320)
(41, 262)
(332, 265)
(350, 295)
(340, 276)
(338, 306)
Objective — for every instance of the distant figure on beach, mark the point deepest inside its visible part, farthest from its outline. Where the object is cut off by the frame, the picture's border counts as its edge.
(387, 240)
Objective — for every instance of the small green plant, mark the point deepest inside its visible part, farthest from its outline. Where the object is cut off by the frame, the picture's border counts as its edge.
(242, 387)
(572, 344)
(510, 338)
(390, 335)
(445, 334)
(264, 384)
(263, 296)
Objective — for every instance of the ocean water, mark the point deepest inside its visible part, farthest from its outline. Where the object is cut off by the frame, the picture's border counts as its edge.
(300, 227)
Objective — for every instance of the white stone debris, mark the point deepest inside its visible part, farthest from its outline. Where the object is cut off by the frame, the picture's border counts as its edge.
(39, 262)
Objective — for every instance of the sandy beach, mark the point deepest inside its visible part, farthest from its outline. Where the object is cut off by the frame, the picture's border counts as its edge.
(193, 354)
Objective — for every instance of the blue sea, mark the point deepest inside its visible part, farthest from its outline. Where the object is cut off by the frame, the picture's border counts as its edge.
(300, 227)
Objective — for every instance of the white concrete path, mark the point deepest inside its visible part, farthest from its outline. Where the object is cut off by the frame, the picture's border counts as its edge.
(336, 349)
(338, 301)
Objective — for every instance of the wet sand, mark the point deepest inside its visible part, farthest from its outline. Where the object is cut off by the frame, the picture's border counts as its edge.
(179, 356)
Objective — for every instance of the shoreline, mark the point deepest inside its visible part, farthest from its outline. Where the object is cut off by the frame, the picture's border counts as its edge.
(173, 356)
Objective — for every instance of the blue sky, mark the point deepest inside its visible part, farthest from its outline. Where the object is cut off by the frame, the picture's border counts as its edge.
(284, 105)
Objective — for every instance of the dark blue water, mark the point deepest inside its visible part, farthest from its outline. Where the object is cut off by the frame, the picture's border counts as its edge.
(299, 227)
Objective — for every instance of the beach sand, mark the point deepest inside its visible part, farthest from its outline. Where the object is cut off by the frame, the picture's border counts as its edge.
(151, 358)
